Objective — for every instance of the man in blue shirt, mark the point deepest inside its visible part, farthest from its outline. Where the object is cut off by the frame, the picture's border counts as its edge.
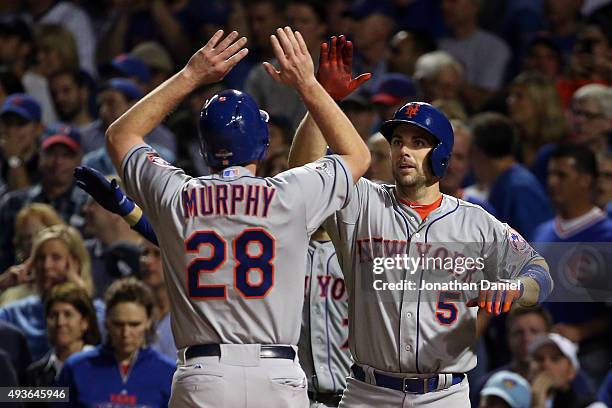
(515, 194)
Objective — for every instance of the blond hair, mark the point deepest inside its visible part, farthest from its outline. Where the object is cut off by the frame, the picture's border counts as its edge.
(541, 90)
(56, 37)
(75, 245)
(47, 215)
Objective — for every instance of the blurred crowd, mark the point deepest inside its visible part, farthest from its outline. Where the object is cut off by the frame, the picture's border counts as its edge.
(527, 84)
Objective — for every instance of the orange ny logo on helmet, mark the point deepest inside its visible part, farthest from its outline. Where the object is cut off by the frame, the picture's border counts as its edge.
(412, 110)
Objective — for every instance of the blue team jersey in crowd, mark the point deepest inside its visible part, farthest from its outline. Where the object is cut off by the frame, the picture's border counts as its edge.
(520, 201)
(553, 242)
(95, 380)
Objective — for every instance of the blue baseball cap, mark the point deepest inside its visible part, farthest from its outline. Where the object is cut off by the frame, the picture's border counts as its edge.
(23, 105)
(393, 89)
(131, 66)
(126, 86)
(60, 133)
(510, 387)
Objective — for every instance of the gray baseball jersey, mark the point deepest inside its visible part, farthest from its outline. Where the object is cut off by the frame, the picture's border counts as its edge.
(409, 330)
(233, 245)
(324, 352)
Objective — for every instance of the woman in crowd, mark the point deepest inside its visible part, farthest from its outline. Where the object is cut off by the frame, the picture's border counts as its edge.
(72, 326)
(17, 280)
(58, 256)
(118, 366)
(535, 108)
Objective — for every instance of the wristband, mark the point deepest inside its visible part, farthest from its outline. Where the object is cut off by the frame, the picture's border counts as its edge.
(541, 277)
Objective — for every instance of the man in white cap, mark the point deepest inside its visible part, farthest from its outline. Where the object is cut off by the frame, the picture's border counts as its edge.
(505, 389)
(553, 367)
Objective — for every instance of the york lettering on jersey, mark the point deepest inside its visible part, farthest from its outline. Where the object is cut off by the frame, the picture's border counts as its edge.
(227, 199)
(326, 286)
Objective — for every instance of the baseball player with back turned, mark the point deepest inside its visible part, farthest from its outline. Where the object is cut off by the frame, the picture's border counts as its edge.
(413, 347)
(234, 245)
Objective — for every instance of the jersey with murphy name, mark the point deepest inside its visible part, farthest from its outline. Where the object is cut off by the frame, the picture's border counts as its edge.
(324, 352)
(408, 280)
(234, 245)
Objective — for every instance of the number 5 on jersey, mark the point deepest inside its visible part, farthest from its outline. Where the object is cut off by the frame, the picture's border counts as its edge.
(245, 264)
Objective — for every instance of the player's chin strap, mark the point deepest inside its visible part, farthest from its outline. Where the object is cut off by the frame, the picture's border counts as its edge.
(536, 284)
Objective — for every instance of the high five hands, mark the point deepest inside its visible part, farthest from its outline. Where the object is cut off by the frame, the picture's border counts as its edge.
(296, 67)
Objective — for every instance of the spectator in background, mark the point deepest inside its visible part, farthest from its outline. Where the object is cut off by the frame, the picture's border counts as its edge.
(372, 27)
(20, 128)
(72, 18)
(152, 273)
(360, 112)
(514, 193)
(543, 56)
(106, 229)
(589, 62)
(55, 50)
(589, 123)
(132, 22)
(380, 170)
(572, 178)
(553, 368)
(484, 55)
(604, 183)
(406, 48)
(58, 256)
(130, 67)
(30, 220)
(72, 327)
(506, 389)
(393, 91)
(459, 166)
(125, 359)
(439, 76)
(70, 90)
(59, 154)
(17, 53)
(157, 59)
(522, 327)
(264, 16)
(534, 106)
(115, 97)
(563, 21)
(308, 18)
(13, 341)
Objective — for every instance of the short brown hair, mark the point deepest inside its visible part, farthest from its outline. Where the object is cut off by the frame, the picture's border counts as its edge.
(129, 290)
(75, 295)
(517, 312)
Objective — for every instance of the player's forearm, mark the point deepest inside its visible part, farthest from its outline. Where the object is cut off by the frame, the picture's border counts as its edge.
(308, 144)
(536, 282)
(336, 128)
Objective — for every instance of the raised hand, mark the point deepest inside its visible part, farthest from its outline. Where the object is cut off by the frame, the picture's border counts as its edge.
(212, 62)
(335, 70)
(296, 66)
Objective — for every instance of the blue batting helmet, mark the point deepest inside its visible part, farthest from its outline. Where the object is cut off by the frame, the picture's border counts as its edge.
(433, 121)
(233, 130)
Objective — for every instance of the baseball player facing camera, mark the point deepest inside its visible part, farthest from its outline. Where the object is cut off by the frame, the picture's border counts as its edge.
(413, 347)
(233, 245)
